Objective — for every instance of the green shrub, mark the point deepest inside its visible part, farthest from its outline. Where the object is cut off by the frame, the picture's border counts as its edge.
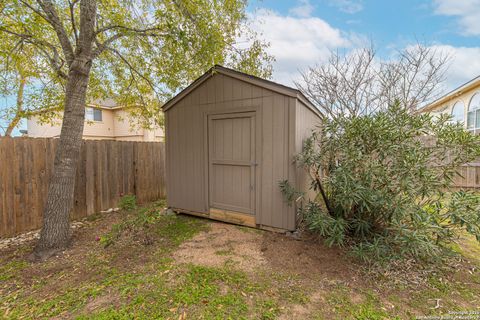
(386, 180)
(128, 202)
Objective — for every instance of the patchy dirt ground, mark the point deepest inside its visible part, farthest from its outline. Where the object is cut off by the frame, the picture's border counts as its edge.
(310, 264)
(224, 243)
(252, 250)
(144, 265)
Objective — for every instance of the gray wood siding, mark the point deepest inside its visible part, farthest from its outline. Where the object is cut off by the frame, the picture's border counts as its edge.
(306, 121)
(275, 162)
(187, 152)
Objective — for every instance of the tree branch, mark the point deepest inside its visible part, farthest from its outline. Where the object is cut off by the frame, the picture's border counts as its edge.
(56, 62)
(38, 12)
(88, 11)
(72, 19)
(148, 32)
(355, 83)
(103, 46)
(51, 16)
(132, 68)
(19, 107)
(125, 28)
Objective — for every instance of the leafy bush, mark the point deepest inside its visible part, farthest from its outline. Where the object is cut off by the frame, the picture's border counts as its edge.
(128, 202)
(291, 195)
(385, 180)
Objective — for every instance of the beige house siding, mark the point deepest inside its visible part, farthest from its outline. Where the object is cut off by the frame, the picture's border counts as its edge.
(464, 98)
(115, 125)
(124, 129)
(187, 146)
(463, 95)
(40, 130)
(104, 129)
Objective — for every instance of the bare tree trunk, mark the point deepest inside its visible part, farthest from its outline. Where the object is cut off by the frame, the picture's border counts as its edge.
(55, 234)
(18, 114)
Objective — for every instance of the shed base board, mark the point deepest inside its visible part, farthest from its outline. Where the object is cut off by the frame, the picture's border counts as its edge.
(231, 217)
(223, 215)
(272, 229)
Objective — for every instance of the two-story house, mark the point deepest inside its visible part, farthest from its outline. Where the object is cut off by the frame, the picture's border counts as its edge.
(103, 120)
(463, 103)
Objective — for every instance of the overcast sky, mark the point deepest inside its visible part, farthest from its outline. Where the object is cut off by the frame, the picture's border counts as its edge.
(301, 32)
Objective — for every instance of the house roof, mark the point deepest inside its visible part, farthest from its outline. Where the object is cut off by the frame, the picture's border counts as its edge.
(475, 82)
(267, 84)
(107, 103)
(104, 103)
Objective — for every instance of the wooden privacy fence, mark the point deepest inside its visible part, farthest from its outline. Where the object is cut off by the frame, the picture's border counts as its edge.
(469, 176)
(107, 169)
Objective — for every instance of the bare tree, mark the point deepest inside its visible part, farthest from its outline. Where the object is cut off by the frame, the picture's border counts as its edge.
(359, 83)
(415, 77)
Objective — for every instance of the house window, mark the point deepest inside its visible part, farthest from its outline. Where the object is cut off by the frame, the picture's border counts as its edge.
(93, 114)
(458, 112)
(473, 116)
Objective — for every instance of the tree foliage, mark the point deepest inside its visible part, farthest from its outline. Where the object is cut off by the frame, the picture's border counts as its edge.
(387, 179)
(137, 52)
(24, 83)
(144, 51)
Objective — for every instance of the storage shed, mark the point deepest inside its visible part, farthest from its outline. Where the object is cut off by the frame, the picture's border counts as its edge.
(230, 139)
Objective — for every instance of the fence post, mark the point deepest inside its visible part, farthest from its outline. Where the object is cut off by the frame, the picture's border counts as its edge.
(105, 169)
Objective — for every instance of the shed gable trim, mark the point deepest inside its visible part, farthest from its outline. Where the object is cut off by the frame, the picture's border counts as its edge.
(275, 87)
(170, 103)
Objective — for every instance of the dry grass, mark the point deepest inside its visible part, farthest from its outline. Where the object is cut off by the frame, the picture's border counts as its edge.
(148, 265)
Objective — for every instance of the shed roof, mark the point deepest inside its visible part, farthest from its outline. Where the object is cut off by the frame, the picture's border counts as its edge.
(267, 84)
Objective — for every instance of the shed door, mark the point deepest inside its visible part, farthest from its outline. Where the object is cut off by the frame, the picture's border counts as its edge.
(232, 162)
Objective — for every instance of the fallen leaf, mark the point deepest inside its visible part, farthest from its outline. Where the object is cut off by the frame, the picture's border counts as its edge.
(183, 316)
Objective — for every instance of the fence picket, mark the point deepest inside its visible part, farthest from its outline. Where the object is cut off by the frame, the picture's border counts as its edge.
(105, 170)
